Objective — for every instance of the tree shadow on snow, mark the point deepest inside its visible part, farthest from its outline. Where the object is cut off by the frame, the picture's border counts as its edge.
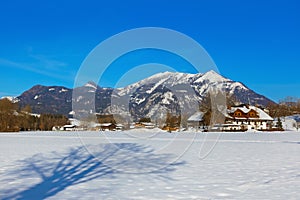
(60, 171)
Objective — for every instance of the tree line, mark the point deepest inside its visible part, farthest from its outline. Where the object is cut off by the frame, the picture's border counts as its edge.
(14, 119)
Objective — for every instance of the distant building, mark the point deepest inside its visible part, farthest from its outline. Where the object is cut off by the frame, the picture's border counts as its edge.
(196, 121)
(148, 125)
(107, 126)
(297, 121)
(69, 127)
(120, 127)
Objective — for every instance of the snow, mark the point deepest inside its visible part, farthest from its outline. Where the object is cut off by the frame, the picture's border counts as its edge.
(211, 76)
(164, 78)
(296, 117)
(188, 88)
(69, 126)
(139, 101)
(149, 164)
(91, 85)
(75, 121)
(167, 98)
(51, 89)
(289, 123)
(236, 85)
(63, 90)
(196, 117)
(79, 98)
(104, 124)
(72, 112)
(36, 97)
(35, 115)
(156, 85)
(12, 99)
(262, 115)
(8, 97)
(157, 77)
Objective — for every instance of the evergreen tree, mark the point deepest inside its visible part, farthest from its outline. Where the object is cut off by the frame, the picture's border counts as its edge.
(279, 123)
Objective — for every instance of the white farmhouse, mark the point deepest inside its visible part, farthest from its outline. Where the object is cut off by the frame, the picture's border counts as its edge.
(246, 117)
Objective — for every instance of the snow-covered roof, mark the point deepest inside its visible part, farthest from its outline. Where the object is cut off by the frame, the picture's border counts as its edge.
(105, 124)
(72, 112)
(148, 123)
(261, 114)
(196, 117)
(244, 109)
(69, 126)
(75, 122)
(94, 125)
(34, 115)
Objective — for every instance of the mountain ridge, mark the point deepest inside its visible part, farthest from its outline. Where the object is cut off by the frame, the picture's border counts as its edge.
(156, 94)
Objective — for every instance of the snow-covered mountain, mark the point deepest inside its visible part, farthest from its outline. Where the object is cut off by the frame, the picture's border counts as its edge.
(10, 98)
(152, 97)
(178, 93)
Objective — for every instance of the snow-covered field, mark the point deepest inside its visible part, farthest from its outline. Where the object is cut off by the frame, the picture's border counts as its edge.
(143, 164)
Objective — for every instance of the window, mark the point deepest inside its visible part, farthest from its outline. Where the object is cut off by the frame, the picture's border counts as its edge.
(252, 114)
(238, 114)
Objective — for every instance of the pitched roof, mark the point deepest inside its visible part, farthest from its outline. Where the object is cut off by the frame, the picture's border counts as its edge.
(196, 117)
(262, 114)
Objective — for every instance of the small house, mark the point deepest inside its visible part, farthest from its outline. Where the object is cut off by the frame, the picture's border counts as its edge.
(70, 127)
(107, 127)
(196, 121)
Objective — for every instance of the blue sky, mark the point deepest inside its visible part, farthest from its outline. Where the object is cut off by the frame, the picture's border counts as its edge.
(255, 42)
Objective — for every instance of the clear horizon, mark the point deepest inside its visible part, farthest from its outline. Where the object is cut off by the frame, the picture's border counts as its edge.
(256, 43)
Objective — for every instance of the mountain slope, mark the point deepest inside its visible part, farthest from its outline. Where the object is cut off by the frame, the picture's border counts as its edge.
(45, 99)
(152, 97)
(182, 91)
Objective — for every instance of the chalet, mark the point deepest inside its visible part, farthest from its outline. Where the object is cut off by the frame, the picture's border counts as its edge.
(245, 117)
(196, 121)
(106, 122)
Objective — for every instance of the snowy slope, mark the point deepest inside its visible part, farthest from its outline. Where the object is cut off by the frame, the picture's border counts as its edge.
(149, 165)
